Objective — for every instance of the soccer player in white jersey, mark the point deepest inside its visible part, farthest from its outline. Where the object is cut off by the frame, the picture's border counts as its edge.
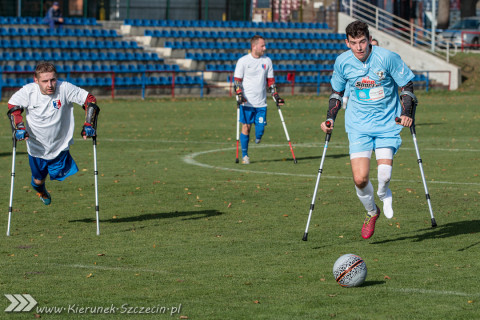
(374, 76)
(48, 131)
(253, 74)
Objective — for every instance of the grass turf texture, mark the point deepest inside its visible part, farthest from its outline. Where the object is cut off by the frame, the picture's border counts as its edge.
(181, 223)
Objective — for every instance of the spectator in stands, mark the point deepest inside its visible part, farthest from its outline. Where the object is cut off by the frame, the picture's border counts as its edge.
(375, 42)
(54, 16)
(253, 75)
(374, 74)
(48, 130)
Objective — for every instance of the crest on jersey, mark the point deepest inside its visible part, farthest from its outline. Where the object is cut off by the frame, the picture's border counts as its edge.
(381, 75)
(264, 66)
(57, 104)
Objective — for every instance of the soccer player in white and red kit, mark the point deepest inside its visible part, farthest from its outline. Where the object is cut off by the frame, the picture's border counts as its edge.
(253, 74)
(48, 131)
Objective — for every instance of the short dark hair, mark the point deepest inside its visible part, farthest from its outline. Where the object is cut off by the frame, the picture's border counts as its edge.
(44, 67)
(254, 39)
(357, 29)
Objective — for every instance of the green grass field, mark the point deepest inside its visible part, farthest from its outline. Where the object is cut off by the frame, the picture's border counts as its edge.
(185, 228)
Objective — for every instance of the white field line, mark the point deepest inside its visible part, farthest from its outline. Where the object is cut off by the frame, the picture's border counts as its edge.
(190, 159)
(308, 145)
(139, 270)
(433, 292)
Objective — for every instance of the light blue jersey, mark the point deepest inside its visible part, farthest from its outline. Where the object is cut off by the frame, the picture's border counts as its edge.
(373, 91)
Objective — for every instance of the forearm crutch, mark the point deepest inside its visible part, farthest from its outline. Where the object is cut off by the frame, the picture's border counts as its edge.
(10, 204)
(286, 133)
(320, 170)
(238, 130)
(419, 160)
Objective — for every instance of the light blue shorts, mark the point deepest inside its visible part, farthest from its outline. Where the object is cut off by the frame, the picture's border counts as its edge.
(58, 169)
(249, 115)
(363, 142)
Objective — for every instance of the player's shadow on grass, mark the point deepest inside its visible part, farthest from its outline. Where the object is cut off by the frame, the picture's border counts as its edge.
(448, 230)
(333, 156)
(185, 215)
(372, 283)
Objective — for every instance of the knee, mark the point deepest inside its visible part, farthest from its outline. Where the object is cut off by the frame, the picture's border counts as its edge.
(360, 182)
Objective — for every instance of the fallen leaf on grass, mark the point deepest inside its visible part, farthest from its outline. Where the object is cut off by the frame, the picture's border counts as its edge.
(229, 205)
(387, 278)
(285, 215)
(100, 254)
(256, 302)
(90, 275)
(332, 295)
(183, 317)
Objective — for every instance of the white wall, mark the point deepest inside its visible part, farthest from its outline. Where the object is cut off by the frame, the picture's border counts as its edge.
(416, 59)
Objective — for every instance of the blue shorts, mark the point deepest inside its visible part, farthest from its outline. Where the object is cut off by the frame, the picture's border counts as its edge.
(249, 115)
(363, 142)
(58, 169)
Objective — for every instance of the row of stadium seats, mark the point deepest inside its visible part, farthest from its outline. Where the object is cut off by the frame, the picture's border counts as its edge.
(245, 45)
(40, 20)
(276, 67)
(223, 24)
(69, 44)
(79, 56)
(275, 56)
(119, 81)
(243, 35)
(97, 68)
(58, 32)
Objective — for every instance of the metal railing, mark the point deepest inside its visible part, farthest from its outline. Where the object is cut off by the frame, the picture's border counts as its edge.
(401, 29)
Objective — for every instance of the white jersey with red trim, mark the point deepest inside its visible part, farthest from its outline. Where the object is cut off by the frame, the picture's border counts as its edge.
(49, 118)
(254, 72)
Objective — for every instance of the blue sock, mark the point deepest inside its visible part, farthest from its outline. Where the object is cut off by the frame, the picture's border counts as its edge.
(39, 189)
(244, 142)
(259, 130)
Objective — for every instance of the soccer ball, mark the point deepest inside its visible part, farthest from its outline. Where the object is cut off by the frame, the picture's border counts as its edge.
(350, 270)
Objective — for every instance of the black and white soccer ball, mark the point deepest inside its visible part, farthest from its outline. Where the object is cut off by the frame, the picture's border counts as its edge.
(350, 270)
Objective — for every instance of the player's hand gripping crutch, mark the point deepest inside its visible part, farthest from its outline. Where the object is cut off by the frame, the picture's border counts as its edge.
(90, 130)
(280, 102)
(18, 133)
(419, 160)
(320, 170)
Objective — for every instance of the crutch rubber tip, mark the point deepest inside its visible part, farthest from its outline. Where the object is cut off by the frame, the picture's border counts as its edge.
(434, 223)
(236, 160)
(305, 236)
(295, 161)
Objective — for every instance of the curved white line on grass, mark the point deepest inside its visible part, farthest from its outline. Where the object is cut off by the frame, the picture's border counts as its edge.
(433, 292)
(190, 159)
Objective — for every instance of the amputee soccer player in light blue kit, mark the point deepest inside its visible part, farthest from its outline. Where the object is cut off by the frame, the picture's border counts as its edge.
(374, 75)
(253, 73)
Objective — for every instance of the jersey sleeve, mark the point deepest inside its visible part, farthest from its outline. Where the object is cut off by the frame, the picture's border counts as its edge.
(400, 72)
(75, 94)
(19, 98)
(239, 69)
(270, 73)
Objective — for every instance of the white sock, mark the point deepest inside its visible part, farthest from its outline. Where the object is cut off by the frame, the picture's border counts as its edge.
(366, 197)
(384, 193)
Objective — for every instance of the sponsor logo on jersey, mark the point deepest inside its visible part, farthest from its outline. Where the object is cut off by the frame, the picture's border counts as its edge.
(366, 83)
(57, 104)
